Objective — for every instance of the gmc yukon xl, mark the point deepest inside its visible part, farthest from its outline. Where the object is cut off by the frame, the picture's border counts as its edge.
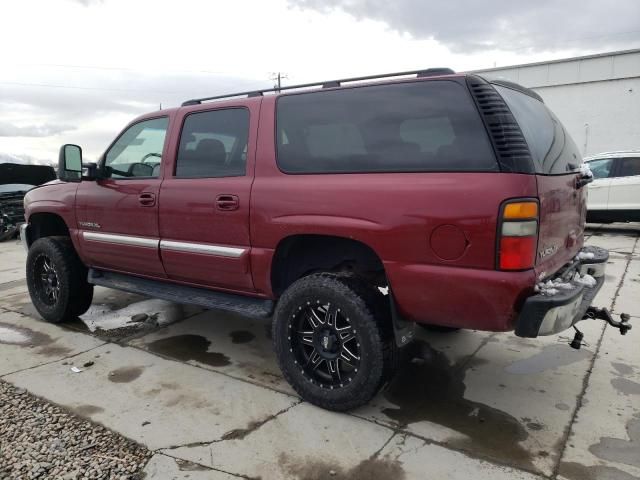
(346, 211)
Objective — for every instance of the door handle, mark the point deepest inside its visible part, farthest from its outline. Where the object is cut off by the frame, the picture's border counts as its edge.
(227, 202)
(147, 199)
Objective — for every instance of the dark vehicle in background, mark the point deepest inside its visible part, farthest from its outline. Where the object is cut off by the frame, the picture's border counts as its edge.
(15, 181)
(347, 212)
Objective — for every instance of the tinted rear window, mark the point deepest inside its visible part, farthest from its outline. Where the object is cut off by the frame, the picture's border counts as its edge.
(552, 149)
(407, 127)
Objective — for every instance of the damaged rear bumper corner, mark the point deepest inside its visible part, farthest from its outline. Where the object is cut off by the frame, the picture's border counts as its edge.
(544, 314)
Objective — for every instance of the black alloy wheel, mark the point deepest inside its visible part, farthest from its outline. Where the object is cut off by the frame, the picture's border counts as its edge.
(47, 283)
(325, 344)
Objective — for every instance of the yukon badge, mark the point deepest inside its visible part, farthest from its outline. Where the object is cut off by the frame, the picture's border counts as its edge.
(89, 224)
(545, 252)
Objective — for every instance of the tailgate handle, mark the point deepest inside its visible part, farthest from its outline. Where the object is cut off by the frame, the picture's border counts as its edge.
(227, 202)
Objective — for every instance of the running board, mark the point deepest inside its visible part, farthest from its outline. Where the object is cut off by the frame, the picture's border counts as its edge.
(173, 292)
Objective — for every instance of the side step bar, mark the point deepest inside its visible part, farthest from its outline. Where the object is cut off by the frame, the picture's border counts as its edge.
(250, 307)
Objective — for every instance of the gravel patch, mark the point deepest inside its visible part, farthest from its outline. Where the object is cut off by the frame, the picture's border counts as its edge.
(41, 440)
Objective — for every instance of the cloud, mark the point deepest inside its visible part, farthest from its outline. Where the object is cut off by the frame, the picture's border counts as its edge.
(9, 130)
(22, 159)
(471, 25)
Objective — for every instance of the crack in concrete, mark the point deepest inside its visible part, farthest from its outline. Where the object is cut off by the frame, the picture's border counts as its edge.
(206, 467)
(585, 381)
(236, 434)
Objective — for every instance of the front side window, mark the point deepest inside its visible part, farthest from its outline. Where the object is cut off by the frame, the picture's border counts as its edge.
(601, 168)
(406, 127)
(213, 144)
(629, 167)
(138, 151)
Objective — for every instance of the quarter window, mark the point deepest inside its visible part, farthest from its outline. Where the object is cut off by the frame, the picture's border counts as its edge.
(552, 149)
(629, 167)
(138, 151)
(214, 144)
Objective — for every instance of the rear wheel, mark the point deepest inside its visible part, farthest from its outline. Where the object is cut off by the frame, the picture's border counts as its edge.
(330, 338)
(57, 280)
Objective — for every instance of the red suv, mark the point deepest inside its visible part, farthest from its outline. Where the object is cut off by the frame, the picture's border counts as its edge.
(347, 211)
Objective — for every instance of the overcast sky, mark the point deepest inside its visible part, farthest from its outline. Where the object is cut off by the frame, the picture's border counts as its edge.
(76, 71)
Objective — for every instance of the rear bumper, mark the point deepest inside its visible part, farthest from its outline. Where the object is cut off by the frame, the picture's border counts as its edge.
(551, 313)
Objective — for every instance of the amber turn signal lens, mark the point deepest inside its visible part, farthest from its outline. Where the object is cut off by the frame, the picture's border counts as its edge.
(520, 210)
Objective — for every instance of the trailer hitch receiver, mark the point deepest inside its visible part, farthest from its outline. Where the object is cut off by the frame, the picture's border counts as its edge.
(595, 313)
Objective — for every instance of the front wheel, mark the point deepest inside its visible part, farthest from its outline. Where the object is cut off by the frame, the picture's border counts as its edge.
(332, 341)
(57, 280)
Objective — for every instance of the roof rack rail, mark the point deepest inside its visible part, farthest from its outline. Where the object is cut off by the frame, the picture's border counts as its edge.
(429, 72)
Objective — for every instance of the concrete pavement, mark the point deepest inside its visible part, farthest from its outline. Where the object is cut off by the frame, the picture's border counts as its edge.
(205, 394)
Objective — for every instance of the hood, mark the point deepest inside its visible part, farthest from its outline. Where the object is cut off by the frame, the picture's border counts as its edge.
(27, 174)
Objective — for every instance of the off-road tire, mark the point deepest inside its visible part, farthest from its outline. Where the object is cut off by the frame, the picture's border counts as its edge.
(369, 316)
(74, 294)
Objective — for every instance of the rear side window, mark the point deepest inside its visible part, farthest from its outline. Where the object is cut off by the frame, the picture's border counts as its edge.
(629, 167)
(552, 149)
(409, 127)
(213, 144)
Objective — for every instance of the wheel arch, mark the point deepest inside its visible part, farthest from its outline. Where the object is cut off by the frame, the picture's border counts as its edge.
(46, 224)
(302, 254)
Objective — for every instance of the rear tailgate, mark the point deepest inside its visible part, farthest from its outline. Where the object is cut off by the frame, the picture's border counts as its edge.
(562, 218)
(557, 164)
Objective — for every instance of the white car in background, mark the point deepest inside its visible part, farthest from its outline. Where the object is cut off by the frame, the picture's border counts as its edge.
(614, 194)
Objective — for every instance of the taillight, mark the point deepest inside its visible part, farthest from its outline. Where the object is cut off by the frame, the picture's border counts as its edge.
(518, 235)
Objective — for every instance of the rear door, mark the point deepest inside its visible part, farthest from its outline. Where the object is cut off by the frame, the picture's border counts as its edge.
(557, 163)
(204, 200)
(625, 185)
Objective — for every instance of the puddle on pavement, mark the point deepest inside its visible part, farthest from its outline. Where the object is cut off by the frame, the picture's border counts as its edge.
(370, 469)
(549, 358)
(186, 466)
(429, 388)
(622, 369)
(241, 336)
(189, 347)
(621, 450)
(625, 386)
(86, 410)
(125, 374)
(577, 471)
(21, 336)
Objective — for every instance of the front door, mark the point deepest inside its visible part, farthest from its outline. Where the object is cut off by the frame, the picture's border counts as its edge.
(204, 202)
(118, 215)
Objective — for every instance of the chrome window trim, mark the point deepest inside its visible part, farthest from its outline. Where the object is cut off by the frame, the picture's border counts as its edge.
(121, 239)
(206, 249)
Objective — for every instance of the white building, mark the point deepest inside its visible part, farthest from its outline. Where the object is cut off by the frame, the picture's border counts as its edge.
(597, 97)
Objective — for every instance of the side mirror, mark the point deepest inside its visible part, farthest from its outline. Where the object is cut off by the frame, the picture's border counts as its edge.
(70, 163)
